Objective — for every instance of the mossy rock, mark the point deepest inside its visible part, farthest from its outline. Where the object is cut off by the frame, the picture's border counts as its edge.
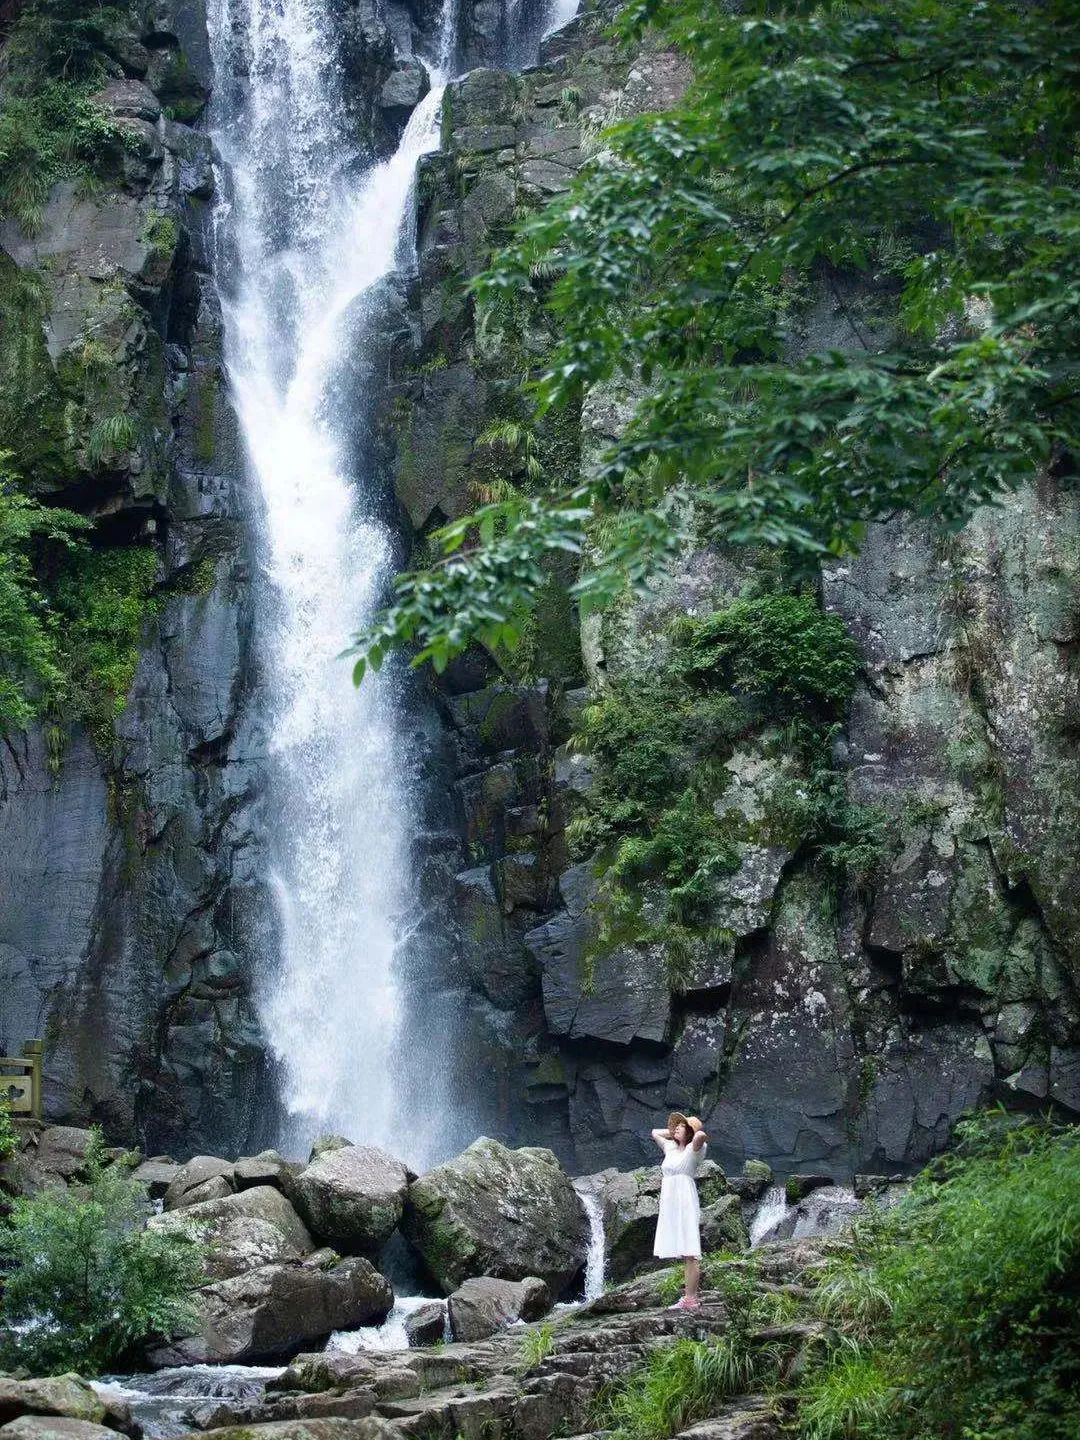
(495, 1211)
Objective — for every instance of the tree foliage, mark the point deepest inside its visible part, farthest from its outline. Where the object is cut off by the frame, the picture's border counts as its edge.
(921, 149)
(9, 1136)
(86, 1285)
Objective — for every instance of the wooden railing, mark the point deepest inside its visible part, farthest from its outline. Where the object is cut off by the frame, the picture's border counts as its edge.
(20, 1081)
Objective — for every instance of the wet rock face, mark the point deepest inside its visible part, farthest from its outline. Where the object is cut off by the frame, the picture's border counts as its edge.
(134, 959)
(834, 1027)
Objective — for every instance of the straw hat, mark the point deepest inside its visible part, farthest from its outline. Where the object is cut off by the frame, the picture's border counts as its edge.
(694, 1123)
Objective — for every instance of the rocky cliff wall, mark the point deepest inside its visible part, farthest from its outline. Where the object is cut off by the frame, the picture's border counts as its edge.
(829, 1014)
(823, 1017)
(129, 856)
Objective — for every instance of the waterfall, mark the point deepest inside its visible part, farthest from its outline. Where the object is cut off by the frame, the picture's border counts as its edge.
(560, 13)
(312, 229)
(308, 230)
(771, 1210)
(595, 1259)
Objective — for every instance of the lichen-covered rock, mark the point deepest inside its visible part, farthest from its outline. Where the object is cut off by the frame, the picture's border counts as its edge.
(755, 1179)
(798, 1186)
(351, 1196)
(370, 1427)
(61, 1151)
(484, 1305)
(205, 1177)
(616, 996)
(500, 1212)
(68, 1396)
(54, 1427)
(266, 1168)
(276, 1310)
(242, 1232)
(723, 1226)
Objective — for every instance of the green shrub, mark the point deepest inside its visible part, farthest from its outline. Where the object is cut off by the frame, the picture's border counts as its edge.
(69, 39)
(50, 128)
(103, 597)
(685, 851)
(29, 662)
(685, 1382)
(86, 1286)
(536, 1346)
(9, 1136)
(850, 1398)
(780, 648)
(961, 1304)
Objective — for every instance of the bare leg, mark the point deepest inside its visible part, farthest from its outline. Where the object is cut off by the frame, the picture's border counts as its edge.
(693, 1276)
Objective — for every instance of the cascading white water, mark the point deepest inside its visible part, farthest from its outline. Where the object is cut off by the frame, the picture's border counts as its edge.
(312, 232)
(311, 229)
(596, 1258)
(771, 1210)
(560, 13)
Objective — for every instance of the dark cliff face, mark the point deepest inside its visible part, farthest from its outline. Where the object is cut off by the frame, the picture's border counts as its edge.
(838, 1025)
(130, 861)
(823, 1021)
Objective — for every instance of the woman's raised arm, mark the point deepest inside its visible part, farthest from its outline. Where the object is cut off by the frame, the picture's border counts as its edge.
(660, 1136)
(699, 1139)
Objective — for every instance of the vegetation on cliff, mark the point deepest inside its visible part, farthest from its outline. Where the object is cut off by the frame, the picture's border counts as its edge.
(71, 610)
(50, 128)
(769, 671)
(85, 1286)
(70, 615)
(923, 150)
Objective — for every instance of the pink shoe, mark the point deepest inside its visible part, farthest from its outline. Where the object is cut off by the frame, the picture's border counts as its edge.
(686, 1303)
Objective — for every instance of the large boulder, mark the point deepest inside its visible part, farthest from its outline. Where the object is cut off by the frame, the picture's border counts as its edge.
(723, 1226)
(65, 1396)
(427, 1323)
(204, 1177)
(242, 1232)
(61, 1151)
(494, 1211)
(485, 1305)
(370, 1427)
(755, 1179)
(266, 1168)
(156, 1175)
(351, 1196)
(54, 1427)
(271, 1313)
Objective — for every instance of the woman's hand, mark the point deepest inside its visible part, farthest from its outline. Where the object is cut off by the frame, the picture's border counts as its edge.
(660, 1136)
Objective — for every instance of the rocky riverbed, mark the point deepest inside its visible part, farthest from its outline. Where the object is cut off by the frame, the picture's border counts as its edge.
(513, 1333)
(528, 1383)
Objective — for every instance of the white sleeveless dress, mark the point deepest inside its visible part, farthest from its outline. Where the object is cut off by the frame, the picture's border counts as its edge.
(678, 1226)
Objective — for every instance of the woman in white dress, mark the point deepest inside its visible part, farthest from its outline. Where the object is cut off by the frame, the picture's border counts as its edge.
(678, 1227)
